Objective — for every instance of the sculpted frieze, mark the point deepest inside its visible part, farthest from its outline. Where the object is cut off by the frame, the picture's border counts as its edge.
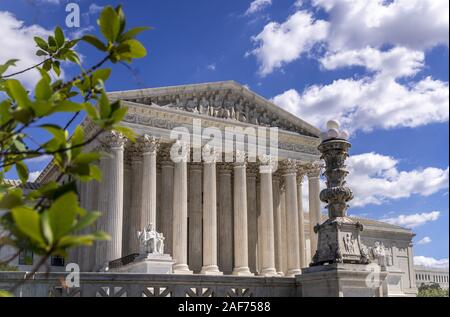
(225, 105)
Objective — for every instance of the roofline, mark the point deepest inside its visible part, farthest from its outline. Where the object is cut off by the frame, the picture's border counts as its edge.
(231, 84)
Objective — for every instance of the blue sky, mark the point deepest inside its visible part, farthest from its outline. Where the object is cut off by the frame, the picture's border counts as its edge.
(379, 67)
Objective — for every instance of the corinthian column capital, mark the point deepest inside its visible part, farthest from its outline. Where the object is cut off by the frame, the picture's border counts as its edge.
(210, 154)
(114, 140)
(313, 169)
(288, 166)
(301, 172)
(240, 158)
(148, 143)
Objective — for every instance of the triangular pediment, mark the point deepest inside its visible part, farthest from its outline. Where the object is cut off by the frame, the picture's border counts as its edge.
(224, 100)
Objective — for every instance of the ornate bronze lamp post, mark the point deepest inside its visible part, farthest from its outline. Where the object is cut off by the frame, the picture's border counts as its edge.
(339, 236)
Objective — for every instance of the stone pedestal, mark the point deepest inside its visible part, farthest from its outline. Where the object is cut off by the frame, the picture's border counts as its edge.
(393, 283)
(341, 280)
(148, 264)
(339, 242)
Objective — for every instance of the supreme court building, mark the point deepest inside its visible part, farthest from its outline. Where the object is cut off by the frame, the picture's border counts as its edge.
(240, 217)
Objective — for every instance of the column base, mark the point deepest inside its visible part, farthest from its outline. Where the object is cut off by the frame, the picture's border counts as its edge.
(210, 270)
(280, 273)
(181, 269)
(293, 272)
(268, 272)
(242, 271)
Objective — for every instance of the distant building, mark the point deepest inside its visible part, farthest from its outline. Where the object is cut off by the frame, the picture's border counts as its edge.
(426, 275)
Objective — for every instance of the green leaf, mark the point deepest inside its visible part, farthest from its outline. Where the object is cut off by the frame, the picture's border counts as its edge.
(11, 199)
(23, 115)
(87, 220)
(104, 105)
(17, 92)
(22, 171)
(127, 132)
(56, 68)
(77, 138)
(42, 107)
(59, 36)
(91, 110)
(122, 20)
(135, 49)
(46, 228)
(41, 53)
(58, 133)
(52, 43)
(86, 158)
(93, 40)
(95, 172)
(101, 74)
(100, 235)
(43, 90)
(28, 222)
(9, 63)
(67, 106)
(41, 43)
(132, 33)
(62, 214)
(109, 23)
(119, 114)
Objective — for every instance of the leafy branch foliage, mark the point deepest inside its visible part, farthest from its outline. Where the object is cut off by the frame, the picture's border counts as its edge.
(48, 220)
(432, 290)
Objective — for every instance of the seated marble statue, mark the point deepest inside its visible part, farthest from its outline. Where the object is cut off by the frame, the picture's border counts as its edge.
(150, 241)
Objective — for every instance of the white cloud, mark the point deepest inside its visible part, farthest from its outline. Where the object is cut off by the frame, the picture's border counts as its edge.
(355, 34)
(353, 25)
(33, 176)
(278, 44)
(383, 181)
(424, 240)
(370, 102)
(416, 24)
(211, 67)
(395, 63)
(257, 5)
(16, 41)
(431, 262)
(414, 220)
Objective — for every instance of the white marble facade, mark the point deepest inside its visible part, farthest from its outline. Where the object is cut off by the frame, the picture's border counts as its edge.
(217, 218)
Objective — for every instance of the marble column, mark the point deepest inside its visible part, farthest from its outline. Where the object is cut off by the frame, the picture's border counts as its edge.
(89, 254)
(283, 227)
(225, 218)
(166, 203)
(289, 171)
(136, 201)
(314, 204)
(195, 217)
(301, 218)
(240, 217)
(149, 145)
(277, 222)
(102, 206)
(252, 174)
(267, 230)
(180, 225)
(126, 203)
(114, 219)
(210, 215)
